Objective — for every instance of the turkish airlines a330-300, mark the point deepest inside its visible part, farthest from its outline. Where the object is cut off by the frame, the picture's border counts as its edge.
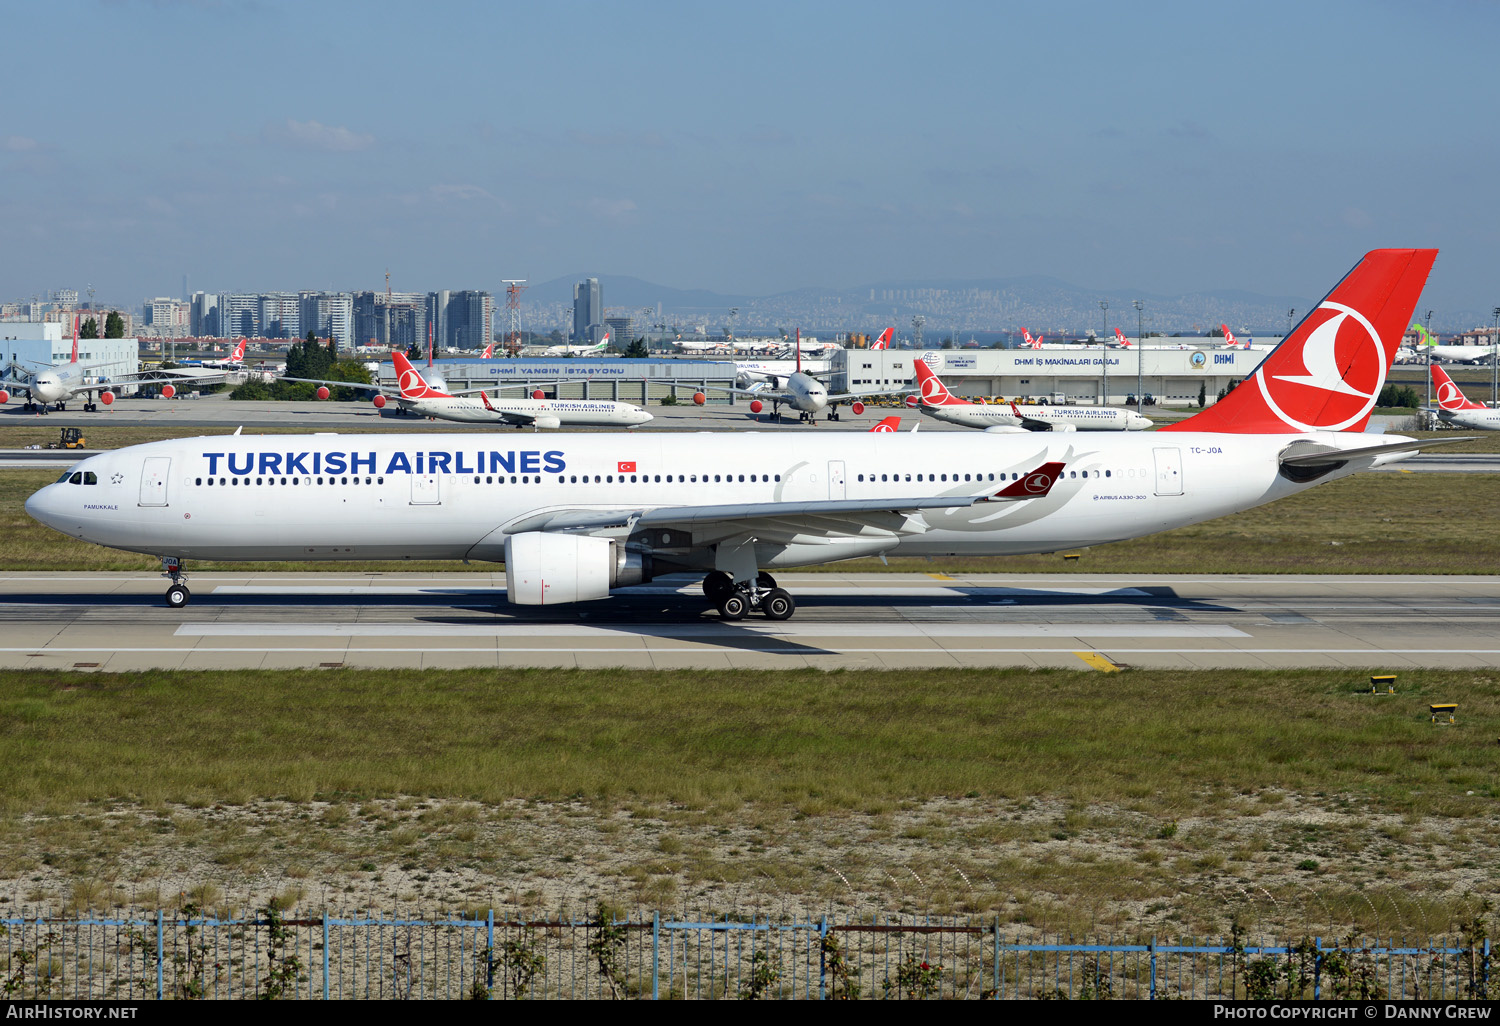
(575, 516)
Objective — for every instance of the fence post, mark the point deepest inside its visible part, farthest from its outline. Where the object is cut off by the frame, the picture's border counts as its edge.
(822, 960)
(1151, 949)
(1318, 967)
(325, 954)
(1484, 971)
(655, 955)
(160, 955)
(489, 953)
(997, 958)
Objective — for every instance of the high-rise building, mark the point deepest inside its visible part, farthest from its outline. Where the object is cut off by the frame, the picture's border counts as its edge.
(588, 311)
(203, 320)
(239, 315)
(621, 330)
(281, 315)
(328, 315)
(399, 319)
(470, 317)
(165, 317)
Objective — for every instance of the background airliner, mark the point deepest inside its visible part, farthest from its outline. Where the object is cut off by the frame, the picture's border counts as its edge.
(1457, 409)
(566, 350)
(54, 385)
(801, 391)
(575, 515)
(934, 399)
(414, 395)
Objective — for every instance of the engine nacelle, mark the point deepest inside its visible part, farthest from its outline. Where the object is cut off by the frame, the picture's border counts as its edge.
(699, 398)
(4, 397)
(858, 408)
(538, 394)
(913, 401)
(543, 569)
(322, 392)
(167, 391)
(1005, 429)
(105, 397)
(378, 402)
(546, 420)
(756, 406)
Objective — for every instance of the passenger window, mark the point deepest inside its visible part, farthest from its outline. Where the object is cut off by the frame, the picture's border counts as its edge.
(258, 481)
(742, 477)
(632, 479)
(199, 481)
(380, 480)
(945, 477)
(966, 477)
(716, 479)
(861, 477)
(658, 478)
(908, 477)
(320, 480)
(778, 477)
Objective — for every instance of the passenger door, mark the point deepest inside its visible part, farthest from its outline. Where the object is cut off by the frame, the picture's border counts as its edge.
(154, 480)
(1168, 471)
(836, 479)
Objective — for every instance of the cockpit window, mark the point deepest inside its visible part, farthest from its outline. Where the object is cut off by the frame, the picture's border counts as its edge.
(90, 478)
(76, 478)
(66, 474)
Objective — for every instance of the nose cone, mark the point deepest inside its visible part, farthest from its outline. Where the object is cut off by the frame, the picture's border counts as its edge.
(1139, 423)
(641, 416)
(42, 506)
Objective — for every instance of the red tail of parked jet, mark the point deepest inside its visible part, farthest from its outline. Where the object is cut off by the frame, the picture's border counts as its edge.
(238, 356)
(1031, 343)
(884, 341)
(1229, 339)
(1328, 372)
(888, 425)
(410, 380)
(932, 390)
(1448, 394)
(75, 340)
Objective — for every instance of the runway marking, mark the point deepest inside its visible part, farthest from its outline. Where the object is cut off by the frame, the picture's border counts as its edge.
(1098, 662)
(940, 577)
(707, 630)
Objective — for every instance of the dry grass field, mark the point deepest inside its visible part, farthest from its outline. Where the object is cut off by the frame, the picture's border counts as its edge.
(1057, 800)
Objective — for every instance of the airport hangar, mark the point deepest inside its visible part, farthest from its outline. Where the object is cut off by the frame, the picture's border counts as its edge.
(43, 342)
(619, 379)
(1075, 374)
(1172, 376)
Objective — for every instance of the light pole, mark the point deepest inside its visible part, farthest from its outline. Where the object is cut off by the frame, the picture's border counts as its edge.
(1140, 355)
(1290, 316)
(1494, 362)
(1104, 348)
(1429, 360)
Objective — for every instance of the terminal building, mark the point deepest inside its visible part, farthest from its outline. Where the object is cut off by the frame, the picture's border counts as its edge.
(1082, 375)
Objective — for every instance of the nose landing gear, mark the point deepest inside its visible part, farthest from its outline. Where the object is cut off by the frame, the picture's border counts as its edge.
(177, 593)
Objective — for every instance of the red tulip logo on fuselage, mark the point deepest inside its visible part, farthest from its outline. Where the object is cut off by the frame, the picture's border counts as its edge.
(1344, 364)
(1038, 483)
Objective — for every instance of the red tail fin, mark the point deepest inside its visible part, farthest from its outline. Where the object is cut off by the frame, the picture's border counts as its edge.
(884, 341)
(1327, 374)
(238, 356)
(75, 339)
(1449, 396)
(889, 424)
(410, 381)
(932, 390)
(1229, 338)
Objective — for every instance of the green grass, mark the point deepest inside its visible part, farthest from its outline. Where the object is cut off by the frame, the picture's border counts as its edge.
(843, 739)
(1368, 524)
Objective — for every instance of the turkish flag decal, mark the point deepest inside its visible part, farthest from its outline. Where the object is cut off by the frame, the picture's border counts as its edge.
(627, 468)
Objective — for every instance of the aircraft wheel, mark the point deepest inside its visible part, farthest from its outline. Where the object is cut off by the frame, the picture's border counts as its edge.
(178, 595)
(778, 605)
(717, 586)
(734, 607)
(765, 582)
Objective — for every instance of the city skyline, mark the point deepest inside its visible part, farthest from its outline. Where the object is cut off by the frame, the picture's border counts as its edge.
(1168, 149)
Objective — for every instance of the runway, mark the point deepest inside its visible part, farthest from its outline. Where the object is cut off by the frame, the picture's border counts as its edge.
(118, 622)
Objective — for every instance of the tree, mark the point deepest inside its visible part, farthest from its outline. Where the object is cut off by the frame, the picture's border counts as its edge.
(114, 326)
(90, 329)
(637, 350)
(413, 353)
(1202, 394)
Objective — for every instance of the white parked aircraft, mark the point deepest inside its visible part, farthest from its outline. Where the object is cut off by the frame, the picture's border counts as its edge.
(414, 395)
(566, 350)
(54, 384)
(801, 391)
(938, 403)
(578, 515)
(1459, 354)
(1230, 342)
(1457, 409)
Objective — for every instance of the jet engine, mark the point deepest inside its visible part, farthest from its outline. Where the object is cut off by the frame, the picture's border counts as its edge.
(4, 397)
(168, 391)
(106, 397)
(543, 569)
(378, 402)
(547, 421)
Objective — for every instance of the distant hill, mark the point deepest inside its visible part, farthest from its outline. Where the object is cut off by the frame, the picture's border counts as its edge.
(1041, 303)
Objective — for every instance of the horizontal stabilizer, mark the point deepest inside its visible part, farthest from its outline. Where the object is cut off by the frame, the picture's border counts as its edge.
(1302, 457)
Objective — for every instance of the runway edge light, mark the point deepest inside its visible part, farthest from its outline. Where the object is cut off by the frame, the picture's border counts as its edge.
(1387, 679)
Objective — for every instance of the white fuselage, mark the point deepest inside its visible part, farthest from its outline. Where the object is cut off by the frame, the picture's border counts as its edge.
(575, 412)
(401, 496)
(1459, 354)
(1476, 420)
(1081, 418)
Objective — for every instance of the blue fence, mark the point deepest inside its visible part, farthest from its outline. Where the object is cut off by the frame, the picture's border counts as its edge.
(185, 955)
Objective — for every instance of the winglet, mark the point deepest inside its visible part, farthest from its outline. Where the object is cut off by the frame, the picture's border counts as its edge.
(1034, 484)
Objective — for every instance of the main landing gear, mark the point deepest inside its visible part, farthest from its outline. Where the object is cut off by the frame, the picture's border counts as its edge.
(735, 601)
(177, 593)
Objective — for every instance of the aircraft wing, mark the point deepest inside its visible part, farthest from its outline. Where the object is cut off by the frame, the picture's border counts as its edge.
(824, 517)
(846, 396)
(342, 384)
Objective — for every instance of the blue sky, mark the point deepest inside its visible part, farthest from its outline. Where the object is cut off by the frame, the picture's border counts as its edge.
(746, 147)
